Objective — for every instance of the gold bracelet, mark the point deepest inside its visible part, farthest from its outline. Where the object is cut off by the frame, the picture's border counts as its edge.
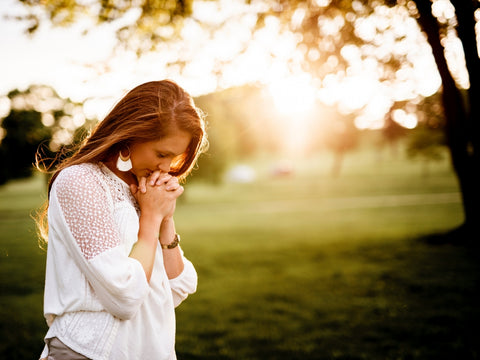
(173, 244)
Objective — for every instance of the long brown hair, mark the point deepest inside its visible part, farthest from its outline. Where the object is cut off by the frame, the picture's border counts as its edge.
(148, 112)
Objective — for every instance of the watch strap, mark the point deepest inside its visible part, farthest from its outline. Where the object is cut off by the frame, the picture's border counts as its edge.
(173, 244)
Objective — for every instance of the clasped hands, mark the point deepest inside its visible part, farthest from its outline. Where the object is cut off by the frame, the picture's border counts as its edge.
(157, 193)
(158, 178)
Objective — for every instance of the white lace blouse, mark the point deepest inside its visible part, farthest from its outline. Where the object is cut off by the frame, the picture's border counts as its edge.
(97, 300)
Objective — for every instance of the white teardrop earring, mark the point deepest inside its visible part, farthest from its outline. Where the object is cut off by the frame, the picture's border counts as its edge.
(123, 162)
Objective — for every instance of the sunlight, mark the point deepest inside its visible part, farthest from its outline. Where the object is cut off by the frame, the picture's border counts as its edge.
(407, 120)
(358, 90)
(217, 54)
(4, 106)
(293, 98)
(294, 95)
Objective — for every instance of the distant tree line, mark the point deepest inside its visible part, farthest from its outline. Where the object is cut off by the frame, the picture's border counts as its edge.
(242, 123)
(313, 22)
(39, 122)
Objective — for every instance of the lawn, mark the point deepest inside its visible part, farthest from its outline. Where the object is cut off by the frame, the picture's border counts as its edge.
(299, 267)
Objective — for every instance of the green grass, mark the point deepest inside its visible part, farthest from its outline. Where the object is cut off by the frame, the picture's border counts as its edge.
(22, 271)
(302, 267)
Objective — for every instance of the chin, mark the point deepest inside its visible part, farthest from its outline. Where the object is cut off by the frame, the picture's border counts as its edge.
(136, 173)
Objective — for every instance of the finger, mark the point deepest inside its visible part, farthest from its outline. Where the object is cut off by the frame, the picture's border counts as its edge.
(133, 188)
(179, 191)
(172, 184)
(173, 179)
(171, 187)
(152, 179)
(163, 179)
(142, 184)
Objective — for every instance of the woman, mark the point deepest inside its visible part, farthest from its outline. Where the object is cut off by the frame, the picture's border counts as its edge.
(114, 270)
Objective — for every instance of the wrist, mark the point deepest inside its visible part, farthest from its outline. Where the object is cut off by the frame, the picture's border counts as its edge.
(173, 244)
(151, 219)
(148, 227)
(166, 219)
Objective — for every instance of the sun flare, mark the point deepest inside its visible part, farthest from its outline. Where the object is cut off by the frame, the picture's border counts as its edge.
(292, 96)
(294, 99)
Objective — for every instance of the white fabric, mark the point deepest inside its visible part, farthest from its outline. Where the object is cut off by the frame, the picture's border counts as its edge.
(97, 300)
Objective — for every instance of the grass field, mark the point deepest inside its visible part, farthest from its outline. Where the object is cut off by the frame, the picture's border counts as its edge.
(301, 267)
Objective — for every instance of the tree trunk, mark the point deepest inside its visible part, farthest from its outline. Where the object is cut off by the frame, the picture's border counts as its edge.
(465, 10)
(338, 156)
(457, 128)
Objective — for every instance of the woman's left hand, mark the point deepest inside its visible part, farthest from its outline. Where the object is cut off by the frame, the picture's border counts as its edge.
(171, 185)
(159, 178)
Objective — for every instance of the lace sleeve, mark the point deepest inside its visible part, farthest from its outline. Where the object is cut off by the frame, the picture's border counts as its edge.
(84, 204)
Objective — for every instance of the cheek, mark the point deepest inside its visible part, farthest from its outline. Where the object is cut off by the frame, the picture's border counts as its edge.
(142, 162)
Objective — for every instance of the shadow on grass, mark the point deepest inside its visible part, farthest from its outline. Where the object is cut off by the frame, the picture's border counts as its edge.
(443, 289)
(375, 300)
(462, 235)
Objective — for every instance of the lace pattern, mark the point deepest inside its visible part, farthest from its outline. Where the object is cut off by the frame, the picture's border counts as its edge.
(118, 188)
(87, 207)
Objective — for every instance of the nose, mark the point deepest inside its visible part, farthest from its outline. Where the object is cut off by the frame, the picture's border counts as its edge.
(164, 166)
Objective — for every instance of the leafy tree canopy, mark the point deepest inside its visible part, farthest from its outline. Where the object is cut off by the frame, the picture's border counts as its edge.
(147, 22)
(38, 120)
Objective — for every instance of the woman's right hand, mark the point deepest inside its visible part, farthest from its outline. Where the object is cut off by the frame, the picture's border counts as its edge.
(157, 194)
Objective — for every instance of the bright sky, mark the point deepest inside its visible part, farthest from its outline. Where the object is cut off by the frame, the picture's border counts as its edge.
(58, 56)
(82, 67)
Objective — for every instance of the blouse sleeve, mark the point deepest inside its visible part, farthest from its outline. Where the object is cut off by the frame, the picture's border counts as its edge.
(82, 212)
(185, 283)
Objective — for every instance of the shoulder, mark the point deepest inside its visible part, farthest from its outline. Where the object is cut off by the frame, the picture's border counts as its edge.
(78, 176)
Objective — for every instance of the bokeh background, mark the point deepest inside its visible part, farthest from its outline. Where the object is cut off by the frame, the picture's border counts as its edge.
(335, 214)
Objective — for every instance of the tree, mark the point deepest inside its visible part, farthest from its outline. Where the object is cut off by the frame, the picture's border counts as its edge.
(426, 144)
(462, 114)
(427, 140)
(240, 124)
(39, 120)
(343, 137)
(392, 132)
(154, 21)
(333, 36)
(23, 133)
